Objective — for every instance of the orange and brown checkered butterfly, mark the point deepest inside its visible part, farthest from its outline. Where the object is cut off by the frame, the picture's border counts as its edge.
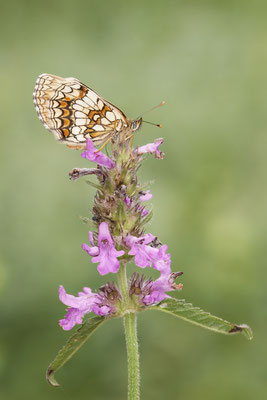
(75, 113)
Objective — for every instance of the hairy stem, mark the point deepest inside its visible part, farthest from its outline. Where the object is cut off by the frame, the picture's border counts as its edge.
(129, 321)
(122, 280)
(132, 356)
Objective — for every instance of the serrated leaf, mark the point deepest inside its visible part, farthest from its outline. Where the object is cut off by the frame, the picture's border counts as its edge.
(72, 345)
(187, 312)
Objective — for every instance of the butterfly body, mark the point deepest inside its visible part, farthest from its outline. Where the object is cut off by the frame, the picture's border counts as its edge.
(75, 113)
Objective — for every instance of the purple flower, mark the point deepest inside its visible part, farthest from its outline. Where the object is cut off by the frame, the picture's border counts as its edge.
(158, 288)
(143, 211)
(162, 262)
(92, 154)
(78, 306)
(144, 254)
(128, 201)
(152, 148)
(105, 253)
(146, 196)
(148, 256)
(101, 310)
(92, 251)
(151, 292)
(102, 303)
(107, 299)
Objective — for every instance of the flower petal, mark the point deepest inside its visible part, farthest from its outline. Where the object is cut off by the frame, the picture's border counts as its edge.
(92, 251)
(146, 196)
(74, 316)
(152, 148)
(144, 254)
(108, 255)
(83, 302)
(92, 154)
(78, 306)
(91, 238)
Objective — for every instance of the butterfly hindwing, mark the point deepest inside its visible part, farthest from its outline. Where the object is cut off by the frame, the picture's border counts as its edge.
(74, 112)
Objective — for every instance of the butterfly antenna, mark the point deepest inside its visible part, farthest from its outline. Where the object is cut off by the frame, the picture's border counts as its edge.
(151, 123)
(153, 108)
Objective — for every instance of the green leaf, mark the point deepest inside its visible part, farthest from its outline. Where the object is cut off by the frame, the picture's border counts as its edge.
(195, 315)
(72, 345)
(94, 185)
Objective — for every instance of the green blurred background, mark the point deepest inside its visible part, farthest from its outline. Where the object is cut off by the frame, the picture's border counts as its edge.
(207, 60)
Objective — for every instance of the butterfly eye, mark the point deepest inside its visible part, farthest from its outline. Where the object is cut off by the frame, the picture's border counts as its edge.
(134, 125)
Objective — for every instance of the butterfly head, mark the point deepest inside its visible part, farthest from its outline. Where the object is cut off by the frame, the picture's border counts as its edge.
(136, 124)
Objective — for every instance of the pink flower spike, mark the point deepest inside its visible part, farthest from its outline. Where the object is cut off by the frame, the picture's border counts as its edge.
(98, 157)
(108, 255)
(146, 196)
(152, 148)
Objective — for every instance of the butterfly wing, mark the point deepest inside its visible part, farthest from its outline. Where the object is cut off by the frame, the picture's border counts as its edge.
(74, 112)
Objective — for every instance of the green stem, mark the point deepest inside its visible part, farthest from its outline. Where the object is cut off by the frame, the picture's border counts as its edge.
(132, 355)
(129, 321)
(122, 279)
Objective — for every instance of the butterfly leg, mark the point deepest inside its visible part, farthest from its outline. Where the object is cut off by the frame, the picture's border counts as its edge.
(106, 142)
(131, 144)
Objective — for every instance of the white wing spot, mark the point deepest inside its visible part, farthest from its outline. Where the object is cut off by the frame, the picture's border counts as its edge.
(98, 128)
(93, 96)
(75, 130)
(100, 104)
(110, 116)
(60, 95)
(80, 138)
(117, 114)
(104, 121)
(79, 114)
(77, 107)
(57, 112)
(89, 101)
(75, 93)
(57, 123)
(66, 89)
(82, 103)
(80, 121)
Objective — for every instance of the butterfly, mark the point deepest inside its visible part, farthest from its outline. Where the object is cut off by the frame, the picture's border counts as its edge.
(74, 113)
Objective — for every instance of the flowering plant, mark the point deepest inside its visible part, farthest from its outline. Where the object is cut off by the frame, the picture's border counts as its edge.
(120, 216)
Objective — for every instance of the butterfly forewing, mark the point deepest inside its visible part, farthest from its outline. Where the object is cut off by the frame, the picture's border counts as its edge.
(75, 113)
